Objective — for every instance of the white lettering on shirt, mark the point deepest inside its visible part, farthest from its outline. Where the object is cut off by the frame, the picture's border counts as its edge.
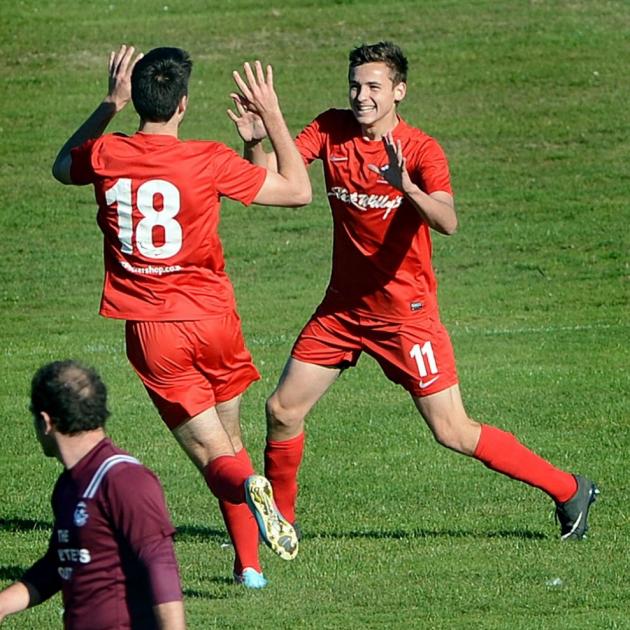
(74, 555)
(365, 202)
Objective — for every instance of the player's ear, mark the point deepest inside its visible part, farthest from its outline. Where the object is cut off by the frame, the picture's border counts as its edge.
(183, 104)
(400, 90)
(46, 422)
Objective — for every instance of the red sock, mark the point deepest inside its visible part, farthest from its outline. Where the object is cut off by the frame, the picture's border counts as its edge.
(225, 476)
(502, 452)
(242, 527)
(282, 462)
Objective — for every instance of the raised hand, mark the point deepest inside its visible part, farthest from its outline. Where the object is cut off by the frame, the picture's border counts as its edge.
(256, 90)
(120, 67)
(249, 125)
(395, 172)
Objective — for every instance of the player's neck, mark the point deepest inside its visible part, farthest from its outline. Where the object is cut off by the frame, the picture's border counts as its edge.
(73, 448)
(168, 128)
(380, 127)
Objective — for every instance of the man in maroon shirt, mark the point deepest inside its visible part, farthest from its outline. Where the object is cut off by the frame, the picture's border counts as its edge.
(111, 550)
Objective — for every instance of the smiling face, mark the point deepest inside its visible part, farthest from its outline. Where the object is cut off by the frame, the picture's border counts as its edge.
(373, 98)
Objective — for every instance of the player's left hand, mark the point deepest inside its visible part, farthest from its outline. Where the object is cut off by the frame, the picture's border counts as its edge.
(120, 67)
(395, 172)
(257, 91)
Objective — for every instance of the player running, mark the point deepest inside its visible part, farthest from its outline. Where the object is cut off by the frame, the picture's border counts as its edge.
(388, 186)
(158, 208)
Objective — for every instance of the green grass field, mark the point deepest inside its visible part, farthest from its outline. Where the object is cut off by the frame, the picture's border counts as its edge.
(530, 101)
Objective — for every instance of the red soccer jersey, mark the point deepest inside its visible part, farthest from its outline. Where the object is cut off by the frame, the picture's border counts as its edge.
(109, 516)
(381, 263)
(158, 208)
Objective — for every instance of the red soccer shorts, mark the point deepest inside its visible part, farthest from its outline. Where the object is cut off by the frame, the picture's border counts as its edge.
(416, 354)
(188, 367)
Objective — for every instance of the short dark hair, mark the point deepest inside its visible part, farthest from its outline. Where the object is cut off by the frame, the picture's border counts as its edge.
(73, 395)
(158, 82)
(386, 52)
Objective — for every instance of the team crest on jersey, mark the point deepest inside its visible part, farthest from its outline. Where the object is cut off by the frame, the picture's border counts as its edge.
(80, 514)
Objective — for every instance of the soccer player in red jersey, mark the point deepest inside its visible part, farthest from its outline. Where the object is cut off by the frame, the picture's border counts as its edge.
(388, 186)
(111, 550)
(158, 208)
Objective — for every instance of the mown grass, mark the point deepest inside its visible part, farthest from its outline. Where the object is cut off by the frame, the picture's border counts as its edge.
(529, 100)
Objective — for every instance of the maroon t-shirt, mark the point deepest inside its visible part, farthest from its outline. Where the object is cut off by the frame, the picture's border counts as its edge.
(111, 550)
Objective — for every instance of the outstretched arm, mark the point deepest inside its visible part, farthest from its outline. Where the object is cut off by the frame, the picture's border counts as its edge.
(120, 66)
(437, 209)
(287, 181)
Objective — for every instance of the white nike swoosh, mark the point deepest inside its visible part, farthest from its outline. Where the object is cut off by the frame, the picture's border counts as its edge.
(425, 385)
(334, 158)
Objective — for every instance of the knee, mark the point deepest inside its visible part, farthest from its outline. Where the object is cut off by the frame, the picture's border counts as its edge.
(281, 416)
(460, 435)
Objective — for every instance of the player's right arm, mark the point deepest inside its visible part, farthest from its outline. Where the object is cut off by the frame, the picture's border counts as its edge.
(39, 583)
(118, 95)
(287, 182)
(14, 599)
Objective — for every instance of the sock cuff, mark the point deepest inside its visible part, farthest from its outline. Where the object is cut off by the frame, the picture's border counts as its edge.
(291, 443)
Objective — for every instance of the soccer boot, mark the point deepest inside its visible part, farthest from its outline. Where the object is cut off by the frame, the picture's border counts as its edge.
(573, 514)
(250, 578)
(276, 532)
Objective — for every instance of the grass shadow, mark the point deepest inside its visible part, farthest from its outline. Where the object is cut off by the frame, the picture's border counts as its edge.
(11, 572)
(24, 525)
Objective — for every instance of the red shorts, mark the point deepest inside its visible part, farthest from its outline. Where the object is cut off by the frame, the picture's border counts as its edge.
(188, 367)
(416, 354)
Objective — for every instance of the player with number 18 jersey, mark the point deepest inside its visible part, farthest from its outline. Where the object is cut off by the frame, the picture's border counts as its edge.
(159, 209)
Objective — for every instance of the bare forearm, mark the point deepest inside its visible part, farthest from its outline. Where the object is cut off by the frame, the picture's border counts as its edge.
(14, 599)
(93, 127)
(170, 616)
(255, 153)
(288, 161)
(437, 209)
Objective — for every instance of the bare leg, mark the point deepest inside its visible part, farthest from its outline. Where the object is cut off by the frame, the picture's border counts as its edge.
(301, 386)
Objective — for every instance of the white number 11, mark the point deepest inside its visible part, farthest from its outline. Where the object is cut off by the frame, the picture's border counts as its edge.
(424, 358)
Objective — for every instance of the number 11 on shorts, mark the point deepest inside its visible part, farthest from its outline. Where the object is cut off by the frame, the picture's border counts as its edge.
(425, 360)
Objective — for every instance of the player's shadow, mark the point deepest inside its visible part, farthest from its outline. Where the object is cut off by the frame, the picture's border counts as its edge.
(522, 534)
(195, 532)
(24, 525)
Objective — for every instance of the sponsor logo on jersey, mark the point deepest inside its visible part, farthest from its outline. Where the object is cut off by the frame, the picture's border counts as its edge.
(338, 158)
(365, 202)
(80, 514)
(150, 270)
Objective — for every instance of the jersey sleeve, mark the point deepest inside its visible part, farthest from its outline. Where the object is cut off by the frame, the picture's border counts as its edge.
(234, 176)
(43, 576)
(81, 170)
(430, 168)
(311, 140)
(139, 515)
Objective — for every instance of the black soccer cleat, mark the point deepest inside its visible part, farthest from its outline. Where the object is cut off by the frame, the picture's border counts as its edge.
(573, 514)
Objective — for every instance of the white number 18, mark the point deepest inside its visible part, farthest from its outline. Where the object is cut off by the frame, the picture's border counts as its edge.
(120, 194)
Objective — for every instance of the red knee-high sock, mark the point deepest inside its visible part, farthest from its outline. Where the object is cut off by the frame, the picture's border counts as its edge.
(502, 452)
(282, 462)
(225, 476)
(242, 527)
